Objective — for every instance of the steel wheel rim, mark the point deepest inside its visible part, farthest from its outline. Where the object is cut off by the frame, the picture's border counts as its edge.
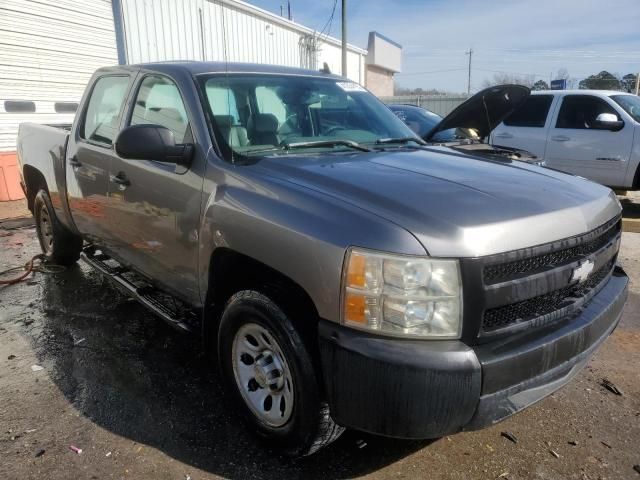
(262, 375)
(46, 231)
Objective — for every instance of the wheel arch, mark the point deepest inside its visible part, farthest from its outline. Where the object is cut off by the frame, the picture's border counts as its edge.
(34, 180)
(231, 271)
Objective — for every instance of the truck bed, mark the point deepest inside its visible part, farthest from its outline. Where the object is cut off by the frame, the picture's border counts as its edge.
(43, 147)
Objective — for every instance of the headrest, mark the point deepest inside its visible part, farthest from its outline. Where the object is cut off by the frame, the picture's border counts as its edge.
(266, 123)
(224, 121)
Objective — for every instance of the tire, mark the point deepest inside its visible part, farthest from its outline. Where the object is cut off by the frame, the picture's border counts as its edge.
(58, 244)
(262, 355)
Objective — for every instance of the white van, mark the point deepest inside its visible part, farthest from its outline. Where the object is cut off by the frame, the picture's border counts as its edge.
(591, 133)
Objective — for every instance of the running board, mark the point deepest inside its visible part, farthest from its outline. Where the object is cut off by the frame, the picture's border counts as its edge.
(178, 315)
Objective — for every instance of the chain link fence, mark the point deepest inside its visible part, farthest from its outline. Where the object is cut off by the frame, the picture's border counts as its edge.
(440, 104)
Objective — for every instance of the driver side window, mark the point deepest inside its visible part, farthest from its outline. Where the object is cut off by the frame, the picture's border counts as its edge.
(580, 111)
(159, 103)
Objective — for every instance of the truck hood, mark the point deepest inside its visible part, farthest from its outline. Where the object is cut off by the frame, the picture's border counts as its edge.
(484, 111)
(456, 206)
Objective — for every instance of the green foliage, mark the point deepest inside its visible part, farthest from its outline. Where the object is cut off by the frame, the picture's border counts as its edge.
(601, 81)
(628, 82)
(540, 85)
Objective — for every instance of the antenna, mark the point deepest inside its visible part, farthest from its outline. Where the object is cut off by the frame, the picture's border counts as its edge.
(226, 66)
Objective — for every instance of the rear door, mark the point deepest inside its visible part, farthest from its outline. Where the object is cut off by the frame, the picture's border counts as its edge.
(527, 127)
(576, 147)
(156, 205)
(90, 153)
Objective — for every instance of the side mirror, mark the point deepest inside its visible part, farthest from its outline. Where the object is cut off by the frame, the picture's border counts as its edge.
(152, 142)
(608, 121)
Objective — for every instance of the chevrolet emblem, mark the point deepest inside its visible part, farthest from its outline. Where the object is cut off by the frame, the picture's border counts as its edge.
(582, 271)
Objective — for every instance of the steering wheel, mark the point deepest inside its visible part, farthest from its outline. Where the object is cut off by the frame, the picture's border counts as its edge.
(287, 123)
(335, 128)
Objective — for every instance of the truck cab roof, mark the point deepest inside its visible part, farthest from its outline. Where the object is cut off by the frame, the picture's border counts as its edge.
(198, 68)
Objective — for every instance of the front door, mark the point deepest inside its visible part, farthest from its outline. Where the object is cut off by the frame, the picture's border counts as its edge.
(89, 156)
(574, 146)
(155, 205)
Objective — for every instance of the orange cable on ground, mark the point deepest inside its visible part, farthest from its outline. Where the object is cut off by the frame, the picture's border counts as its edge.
(28, 267)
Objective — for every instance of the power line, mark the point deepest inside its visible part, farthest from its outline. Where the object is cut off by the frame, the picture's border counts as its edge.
(327, 26)
(512, 73)
(432, 71)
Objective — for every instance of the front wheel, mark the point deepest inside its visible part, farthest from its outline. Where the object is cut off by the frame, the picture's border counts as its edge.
(269, 371)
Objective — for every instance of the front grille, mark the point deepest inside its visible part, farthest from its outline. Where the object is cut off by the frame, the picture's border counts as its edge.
(535, 286)
(527, 266)
(500, 317)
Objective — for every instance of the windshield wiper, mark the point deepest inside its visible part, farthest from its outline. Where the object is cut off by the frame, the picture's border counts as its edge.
(385, 141)
(326, 143)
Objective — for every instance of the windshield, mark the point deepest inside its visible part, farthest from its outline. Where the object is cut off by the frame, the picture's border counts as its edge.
(261, 114)
(630, 104)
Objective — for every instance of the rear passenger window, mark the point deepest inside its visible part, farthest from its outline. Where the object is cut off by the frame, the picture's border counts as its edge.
(159, 103)
(580, 111)
(102, 119)
(533, 113)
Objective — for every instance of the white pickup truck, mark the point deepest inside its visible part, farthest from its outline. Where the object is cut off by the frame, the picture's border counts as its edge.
(591, 133)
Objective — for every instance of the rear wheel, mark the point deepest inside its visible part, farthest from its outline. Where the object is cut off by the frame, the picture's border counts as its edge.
(58, 244)
(267, 367)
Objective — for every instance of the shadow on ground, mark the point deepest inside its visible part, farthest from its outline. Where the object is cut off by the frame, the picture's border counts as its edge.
(137, 378)
(630, 207)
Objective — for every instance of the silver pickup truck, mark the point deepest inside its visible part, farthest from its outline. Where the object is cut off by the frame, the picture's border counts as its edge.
(344, 274)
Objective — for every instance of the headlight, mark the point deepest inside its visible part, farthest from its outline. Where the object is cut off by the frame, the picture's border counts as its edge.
(402, 295)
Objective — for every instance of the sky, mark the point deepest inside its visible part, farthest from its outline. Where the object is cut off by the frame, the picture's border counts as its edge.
(521, 37)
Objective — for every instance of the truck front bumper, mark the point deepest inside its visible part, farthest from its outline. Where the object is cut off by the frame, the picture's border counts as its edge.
(427, 389)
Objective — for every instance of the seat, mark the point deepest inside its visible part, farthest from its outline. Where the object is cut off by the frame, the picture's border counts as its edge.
(235, 135)
(265, 129)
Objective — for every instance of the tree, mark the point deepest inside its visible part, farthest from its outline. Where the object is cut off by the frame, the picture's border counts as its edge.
(601, 81)
(563, 74)
(540, 85)
(506, 78)
(628, 83)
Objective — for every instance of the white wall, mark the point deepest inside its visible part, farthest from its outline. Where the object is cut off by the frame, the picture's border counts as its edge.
(48, 51)
(157, 30)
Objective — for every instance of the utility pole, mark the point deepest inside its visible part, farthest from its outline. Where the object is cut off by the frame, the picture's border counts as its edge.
(637, 83)
(344, 38)
(470, 53)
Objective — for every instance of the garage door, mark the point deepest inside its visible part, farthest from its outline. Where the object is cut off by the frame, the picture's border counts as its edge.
(48, 51)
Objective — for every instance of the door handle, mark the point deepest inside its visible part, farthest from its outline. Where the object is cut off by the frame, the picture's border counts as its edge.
(560, 138)
(73, 161)
(121, 180)
(504, 135)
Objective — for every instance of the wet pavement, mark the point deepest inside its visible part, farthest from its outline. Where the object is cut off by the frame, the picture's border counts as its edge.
(142, 402)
